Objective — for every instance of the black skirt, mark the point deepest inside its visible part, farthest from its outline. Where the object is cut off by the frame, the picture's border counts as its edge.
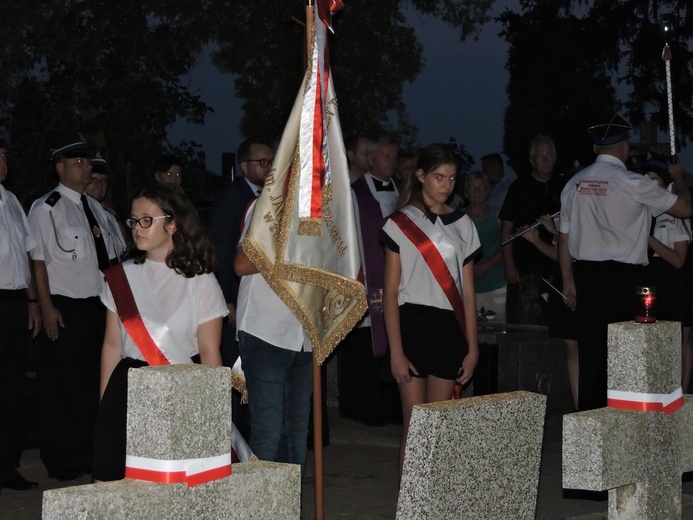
(111, 424)
(432, 340)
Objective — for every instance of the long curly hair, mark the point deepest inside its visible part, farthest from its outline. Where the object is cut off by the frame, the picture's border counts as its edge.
(192, 252)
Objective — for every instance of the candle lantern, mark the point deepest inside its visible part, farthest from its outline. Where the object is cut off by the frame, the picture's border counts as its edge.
(645, 300)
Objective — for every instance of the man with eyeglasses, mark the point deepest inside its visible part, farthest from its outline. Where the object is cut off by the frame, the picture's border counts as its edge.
(255, 157)
(73, 247)
(168, 171)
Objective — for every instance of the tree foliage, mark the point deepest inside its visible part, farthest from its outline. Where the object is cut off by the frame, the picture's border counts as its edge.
(109, 69)
(573, 63)
(115, 70)
(374, 53)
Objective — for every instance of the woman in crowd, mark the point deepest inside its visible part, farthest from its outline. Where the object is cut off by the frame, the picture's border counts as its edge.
(167, 281)
(489, 270)
(428, 298)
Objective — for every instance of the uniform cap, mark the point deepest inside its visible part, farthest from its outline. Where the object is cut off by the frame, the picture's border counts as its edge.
(71, 146)
(99, 164)
(612, 131)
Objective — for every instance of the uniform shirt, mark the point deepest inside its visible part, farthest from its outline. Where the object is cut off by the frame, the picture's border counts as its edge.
(16, 240)
(669, 230)
(263, 314)
(607, 212)
(115, 236)
(417, 283)
(66, 244)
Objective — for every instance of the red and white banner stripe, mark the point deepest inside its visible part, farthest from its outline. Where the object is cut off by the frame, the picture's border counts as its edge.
(190, 471)
(666, 403)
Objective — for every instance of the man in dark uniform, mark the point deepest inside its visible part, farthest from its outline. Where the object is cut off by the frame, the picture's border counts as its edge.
(606, 214)
(18, 307)
(255, 157)
(72, 250)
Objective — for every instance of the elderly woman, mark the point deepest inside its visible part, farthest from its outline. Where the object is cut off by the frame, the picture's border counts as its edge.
(489, 277)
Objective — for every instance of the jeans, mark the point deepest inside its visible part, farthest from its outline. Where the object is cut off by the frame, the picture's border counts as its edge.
(280, 385)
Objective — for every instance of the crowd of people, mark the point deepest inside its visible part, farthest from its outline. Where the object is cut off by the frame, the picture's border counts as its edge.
(102, 293)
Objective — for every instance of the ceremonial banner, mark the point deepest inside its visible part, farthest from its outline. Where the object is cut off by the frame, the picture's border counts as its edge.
(302, 236)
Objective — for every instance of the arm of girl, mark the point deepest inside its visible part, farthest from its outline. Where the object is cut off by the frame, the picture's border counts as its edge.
(111, 350)
(399, 364)
(469, 297)
(209, 341)
(675, 256)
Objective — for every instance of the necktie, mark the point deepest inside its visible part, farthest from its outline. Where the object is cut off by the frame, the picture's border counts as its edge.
(99, 242)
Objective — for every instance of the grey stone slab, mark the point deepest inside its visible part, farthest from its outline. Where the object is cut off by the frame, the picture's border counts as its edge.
(175, 413)
(475, 458)
(179, 412)
(258, 490)
(644, 357)
(638, 456)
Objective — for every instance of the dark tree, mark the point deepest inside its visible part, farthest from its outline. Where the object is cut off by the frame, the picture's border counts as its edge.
(373, 53)
(573, 63)
(110, 69)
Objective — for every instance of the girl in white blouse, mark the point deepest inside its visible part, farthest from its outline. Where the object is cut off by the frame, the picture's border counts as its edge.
(428, 298)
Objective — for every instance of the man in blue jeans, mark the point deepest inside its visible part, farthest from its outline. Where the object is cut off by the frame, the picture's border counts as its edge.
(277, 361)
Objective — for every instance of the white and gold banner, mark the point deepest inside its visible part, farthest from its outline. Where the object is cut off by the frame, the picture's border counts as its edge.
(302, 236)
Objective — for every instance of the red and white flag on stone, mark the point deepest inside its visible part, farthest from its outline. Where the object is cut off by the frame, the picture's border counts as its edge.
(302, 236)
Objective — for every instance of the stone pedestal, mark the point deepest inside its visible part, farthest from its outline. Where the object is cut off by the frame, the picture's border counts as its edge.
(179, 413)
(522, 357)
(475, 458)
(638, 456)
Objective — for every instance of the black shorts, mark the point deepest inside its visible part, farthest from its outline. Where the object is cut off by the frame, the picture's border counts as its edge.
(562, 321)
(432, 340)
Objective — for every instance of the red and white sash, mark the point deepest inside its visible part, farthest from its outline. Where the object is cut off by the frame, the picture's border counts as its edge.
(644, 402)
(130, 316)
(434, 245)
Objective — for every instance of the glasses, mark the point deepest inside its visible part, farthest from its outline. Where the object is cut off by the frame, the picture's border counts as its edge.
(173, 174)
(263, 162)
(144, 222)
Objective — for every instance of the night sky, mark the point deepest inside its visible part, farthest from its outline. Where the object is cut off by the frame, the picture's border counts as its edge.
(460, 93)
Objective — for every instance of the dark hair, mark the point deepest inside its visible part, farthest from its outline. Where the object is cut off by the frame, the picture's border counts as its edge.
(243, 152)
(493, 157)
(351, 144)
(164, 163)
(430, 158)
(192, 252)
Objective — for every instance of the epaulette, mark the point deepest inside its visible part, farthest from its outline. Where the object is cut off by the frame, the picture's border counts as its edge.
(53, 199)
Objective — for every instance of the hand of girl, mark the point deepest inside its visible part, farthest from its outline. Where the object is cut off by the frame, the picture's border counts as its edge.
(400, 366)
(467, 370)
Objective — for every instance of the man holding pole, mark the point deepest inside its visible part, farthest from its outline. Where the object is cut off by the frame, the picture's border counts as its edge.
(277, 362)
(606, 213)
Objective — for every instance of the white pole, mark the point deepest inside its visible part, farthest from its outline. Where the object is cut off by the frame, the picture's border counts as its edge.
(666, 56)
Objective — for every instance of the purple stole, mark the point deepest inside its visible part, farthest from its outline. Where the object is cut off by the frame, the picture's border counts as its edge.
(372, 219)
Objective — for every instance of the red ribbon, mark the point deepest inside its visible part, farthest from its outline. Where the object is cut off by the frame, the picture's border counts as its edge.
(177, 471)
(130, 316)
(435, 262)
(642, 402)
